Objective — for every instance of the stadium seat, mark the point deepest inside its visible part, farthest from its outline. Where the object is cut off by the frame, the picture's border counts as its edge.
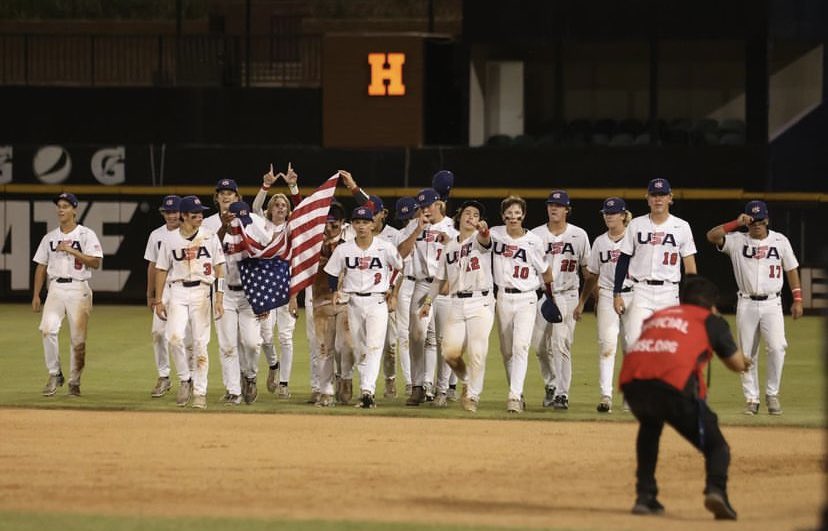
(523, 141)
(499, 141)
(622, 139)
(643, 139)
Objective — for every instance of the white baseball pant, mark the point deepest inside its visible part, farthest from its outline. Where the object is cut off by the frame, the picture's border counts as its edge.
(330, 325)
(239, 338)
(646, 300)
(466, 327)
(368, 322)
(553, 343)
(418, 328)
(609, 326)
(286, 324)
(73, 300)
(159, 342)
(755, 320)
(515, 321)
(310, 333)
(389, 351)
(403, 347)
(190, 307)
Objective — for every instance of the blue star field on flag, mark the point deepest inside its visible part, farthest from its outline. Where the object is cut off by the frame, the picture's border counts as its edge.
(266, 283)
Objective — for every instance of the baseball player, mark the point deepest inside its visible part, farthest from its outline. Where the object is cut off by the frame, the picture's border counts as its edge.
(518, 268)
(653, 249)
(239, 332)
(329, 321)
(601, 272)
(389, 352)
(284, 317)
(366, 264)
(465, 275)
(405, 209)
(189, 262)
(424, 242)
(661, 378)
(759, 257)
(66, 255)
(566, 249)
(172, 220)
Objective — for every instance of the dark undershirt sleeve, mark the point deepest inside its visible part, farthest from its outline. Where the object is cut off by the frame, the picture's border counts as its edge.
(720, 337)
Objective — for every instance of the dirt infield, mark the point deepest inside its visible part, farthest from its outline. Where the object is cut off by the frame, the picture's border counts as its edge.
(501, 473)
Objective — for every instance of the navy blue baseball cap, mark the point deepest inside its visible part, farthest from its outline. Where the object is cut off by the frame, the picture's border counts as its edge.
(336, 212)
(442, 182)
(227, 184)
(405, 208)
(426, 197)
(475, 204)
(550, 311)
(171, 203)
(362, 212)
(68, 197)
(558, 197)
(241, 210)
(191, 203)
(758, 210)
(613, 205)
(659, 186)
(377, 202)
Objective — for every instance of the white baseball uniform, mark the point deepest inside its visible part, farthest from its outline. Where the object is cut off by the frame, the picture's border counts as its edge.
(403, 304)
(566, 253)
(366, 280)
(602, 261)
(517, 267)
(759, 267)
(656, 253)
(425, 260)
(159, 343)
(389, 353)
(467, 323)
(238, 331)
(68, 295)
(190, 264)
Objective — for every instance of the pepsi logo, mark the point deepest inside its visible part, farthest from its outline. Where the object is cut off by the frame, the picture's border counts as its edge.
(52, 164)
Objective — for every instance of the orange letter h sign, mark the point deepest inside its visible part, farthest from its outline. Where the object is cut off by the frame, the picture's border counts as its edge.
(386, 74)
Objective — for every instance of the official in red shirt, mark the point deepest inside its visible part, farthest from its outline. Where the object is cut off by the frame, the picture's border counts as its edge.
(661, 378)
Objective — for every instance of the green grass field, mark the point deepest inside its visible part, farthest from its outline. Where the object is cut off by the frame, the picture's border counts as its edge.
(120, 373)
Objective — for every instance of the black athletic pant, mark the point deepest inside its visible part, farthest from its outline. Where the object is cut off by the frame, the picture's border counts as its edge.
(655, 403)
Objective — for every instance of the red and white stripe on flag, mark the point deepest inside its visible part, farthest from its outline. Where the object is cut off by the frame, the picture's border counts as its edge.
(306, 227)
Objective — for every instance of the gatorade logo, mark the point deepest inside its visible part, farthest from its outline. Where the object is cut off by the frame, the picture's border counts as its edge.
(6, 158)
(107, 165)
(386, 74)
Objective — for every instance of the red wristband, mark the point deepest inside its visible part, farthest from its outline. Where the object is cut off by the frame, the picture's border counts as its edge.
(731, 226)
(797, 294)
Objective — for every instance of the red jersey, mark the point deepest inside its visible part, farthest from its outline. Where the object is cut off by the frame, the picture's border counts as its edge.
(675, 345)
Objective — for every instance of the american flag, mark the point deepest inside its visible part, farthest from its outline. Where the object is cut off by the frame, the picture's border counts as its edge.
(265, 283)
(301, 242)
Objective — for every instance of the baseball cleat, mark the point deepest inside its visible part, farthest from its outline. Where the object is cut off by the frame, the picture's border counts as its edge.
(314, 397)
(469, 404)
(561, 402)
(161, 387)
(200, 402)
(54, 381)
(774, 407)
(74, 390)
(625, 407)
(440, 400)
(428, 388)
(605, 405)
(185, 389)
(644, 506)
(417, 396)
(367, 401)
(326, 401)
(251, 391)
(451, 394)
(346, 391)
(716, 502)
(751, 408)
(549, 397)
(408, 390)
(283, 391)
(513, 405)
(273, 378)
(232, 400)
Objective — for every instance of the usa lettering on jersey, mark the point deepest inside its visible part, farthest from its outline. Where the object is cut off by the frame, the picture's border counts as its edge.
(559, 248)
(509, 251)
(610, 256)
(190, 253)
(363, 262)
(656, 238)
(429, 236)
(74, 244)
(760, 252)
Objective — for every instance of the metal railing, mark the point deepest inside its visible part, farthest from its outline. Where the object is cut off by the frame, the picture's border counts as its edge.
(163, 60)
